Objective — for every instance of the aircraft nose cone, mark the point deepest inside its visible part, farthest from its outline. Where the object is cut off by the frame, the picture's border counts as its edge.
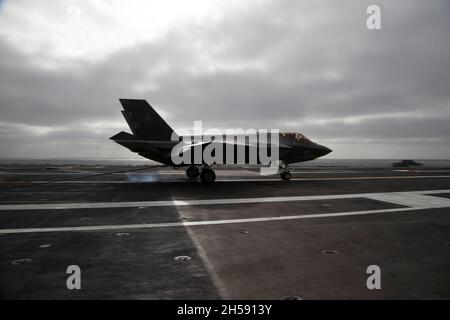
(323, 151)
(327, 150)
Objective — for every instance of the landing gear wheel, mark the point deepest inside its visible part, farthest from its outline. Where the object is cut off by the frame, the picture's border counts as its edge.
(286, 176)
(207, 175)
(192, 172)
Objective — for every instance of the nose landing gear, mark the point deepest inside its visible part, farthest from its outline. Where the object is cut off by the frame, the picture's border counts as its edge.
(286, 176)
(284, 171)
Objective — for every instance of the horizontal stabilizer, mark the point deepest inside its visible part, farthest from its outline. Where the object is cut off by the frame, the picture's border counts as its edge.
(124, 136)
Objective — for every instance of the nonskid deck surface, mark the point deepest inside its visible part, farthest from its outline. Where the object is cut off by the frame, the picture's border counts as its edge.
(246, 236)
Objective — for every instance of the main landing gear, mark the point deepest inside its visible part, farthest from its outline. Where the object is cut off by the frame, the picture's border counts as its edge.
(207, 175)
(284, 171)
(192, 172)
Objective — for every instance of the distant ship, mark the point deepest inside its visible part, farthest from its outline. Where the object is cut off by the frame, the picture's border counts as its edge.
(407, 163)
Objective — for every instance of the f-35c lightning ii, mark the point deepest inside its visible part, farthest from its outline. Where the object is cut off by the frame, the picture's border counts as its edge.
(154, 139)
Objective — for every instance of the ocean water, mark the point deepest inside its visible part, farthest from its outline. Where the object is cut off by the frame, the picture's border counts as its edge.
(361, 163)
(375, 163)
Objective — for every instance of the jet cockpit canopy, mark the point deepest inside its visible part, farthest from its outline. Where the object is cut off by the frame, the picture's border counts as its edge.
(296, 136)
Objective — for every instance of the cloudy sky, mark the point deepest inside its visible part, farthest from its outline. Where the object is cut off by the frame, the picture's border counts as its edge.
(307, 66)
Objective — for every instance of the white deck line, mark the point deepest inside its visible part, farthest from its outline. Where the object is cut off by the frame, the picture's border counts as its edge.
(197, 202)
(231, 180)
(293, 171)
(413, 200)
(204, 223)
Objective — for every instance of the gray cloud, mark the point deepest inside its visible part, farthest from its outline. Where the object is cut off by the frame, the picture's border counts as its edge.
(294, 65)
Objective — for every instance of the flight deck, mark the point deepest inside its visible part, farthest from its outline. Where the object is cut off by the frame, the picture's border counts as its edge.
(154, 234)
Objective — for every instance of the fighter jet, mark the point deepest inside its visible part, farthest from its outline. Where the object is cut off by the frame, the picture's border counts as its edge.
(154, 139)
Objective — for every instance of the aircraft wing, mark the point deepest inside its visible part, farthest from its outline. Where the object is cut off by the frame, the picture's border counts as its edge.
(205, 143)
(190, 146)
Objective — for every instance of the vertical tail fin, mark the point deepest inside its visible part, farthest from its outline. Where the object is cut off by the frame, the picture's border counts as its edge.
(144, 121)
